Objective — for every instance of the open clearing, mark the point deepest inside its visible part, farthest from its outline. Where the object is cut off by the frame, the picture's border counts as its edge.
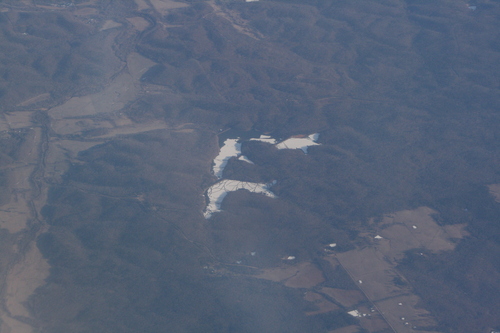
(347, 329)
(347, 298)
(138, 65)
(320, 302)
(138, 22)
(121, 91)
(36, 99)
(163, 6)
(23, 279)
(417, 229)
(302, 275)
(495, 191)
(141, 5)
(110, 24)
(19, 119)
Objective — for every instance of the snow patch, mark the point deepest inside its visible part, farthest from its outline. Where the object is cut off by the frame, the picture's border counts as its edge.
(291, 143)
(355, 313)
(265, 138)
(245, 159)
(230, 148)
(299, 143)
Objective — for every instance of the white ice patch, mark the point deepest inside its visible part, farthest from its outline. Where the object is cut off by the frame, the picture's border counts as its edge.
(265, 138)
(314, 137)
(291, 143)
(230, 148)
(354, 313)
(246, 159)
(217, 192)
(299, 143)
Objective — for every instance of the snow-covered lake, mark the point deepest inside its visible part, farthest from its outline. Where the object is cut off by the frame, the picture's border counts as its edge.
(230, 148)
(217, 192)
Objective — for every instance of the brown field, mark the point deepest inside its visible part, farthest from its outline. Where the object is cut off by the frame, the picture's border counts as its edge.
(138, 22)
(348, 298)
(135, 129)
(76, 126)
(138, 65)
(73, 147)
(61, 153)
(409, 309)
(371, 272)
(417, 229)
(121, 91)
(163, 6)
(303, 275)
(23, 279)
(308, 276)
(322, 304)
(347, 329)
(36, 99)
(141, 4)
(88, 3)
(48, 7)
(86, 12)
(110, 24)
(15, 214)
(19, 119)
(495, 191)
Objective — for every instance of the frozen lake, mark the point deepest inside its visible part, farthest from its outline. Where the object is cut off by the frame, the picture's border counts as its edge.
(217, 192)
(230, 148)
